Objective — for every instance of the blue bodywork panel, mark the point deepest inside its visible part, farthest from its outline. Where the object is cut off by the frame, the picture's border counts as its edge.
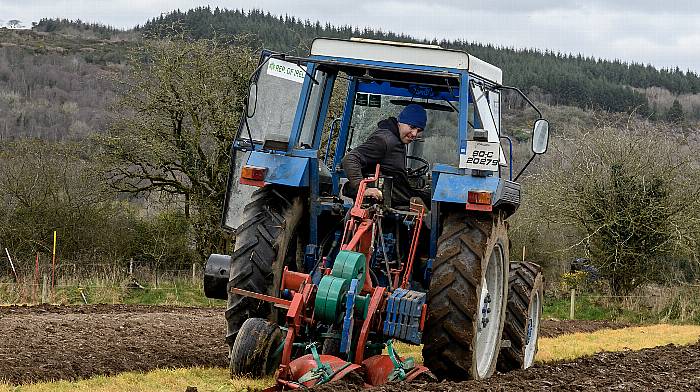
(282, 169)
(453, 188)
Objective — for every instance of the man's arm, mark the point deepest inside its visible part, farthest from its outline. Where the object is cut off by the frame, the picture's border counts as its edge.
(366, 155)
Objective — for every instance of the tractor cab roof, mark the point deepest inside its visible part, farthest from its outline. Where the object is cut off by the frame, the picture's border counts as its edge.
(369, 52)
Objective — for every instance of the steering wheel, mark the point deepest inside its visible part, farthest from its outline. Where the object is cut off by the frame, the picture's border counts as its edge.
(419, 171)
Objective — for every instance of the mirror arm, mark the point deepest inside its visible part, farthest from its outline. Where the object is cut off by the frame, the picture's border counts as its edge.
(525, 167)
(524, 97)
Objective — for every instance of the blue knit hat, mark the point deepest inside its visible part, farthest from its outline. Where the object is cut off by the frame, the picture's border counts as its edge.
(415, 115)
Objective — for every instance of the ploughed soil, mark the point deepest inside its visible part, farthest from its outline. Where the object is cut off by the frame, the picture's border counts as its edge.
(41, 343)
(74, 342)
(554, 328)
(666, 368)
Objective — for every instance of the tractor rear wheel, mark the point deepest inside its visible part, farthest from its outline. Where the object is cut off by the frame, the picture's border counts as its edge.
(268, 230)
(255, 353)
(467, 297)
(523, 315)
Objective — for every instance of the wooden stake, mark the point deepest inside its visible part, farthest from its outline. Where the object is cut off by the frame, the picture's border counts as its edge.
(45, 289)
(35, 289)
(53, 263)
(573, 300)
(14, 271)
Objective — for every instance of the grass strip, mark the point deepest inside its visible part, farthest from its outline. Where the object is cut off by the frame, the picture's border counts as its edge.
(205, 379)
(577, 345)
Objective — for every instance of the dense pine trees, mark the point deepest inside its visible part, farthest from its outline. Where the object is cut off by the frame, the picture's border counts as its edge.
(568, 79)
(558, 79)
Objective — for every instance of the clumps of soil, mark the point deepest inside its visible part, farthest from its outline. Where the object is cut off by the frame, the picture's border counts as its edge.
(666, 368)
(554, 328)
(74, 342)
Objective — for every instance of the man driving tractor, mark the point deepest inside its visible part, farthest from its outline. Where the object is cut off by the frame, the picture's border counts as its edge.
(387, 147)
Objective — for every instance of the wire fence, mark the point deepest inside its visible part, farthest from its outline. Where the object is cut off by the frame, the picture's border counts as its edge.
(45, 282)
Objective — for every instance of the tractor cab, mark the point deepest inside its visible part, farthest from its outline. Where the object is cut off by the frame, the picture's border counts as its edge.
(355, 274)
(312, 111)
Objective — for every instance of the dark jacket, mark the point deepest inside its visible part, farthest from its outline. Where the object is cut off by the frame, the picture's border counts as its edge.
(384, 147)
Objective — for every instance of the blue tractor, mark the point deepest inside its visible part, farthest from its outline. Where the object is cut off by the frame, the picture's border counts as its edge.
(319, 285)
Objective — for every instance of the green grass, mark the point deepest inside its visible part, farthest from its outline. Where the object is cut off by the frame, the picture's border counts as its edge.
(558, 308)
(173, 293)
(595, 308)
(680, 307)
(182, 294)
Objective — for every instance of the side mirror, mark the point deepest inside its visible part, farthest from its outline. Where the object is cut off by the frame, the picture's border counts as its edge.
(540, 136)
(252, 100)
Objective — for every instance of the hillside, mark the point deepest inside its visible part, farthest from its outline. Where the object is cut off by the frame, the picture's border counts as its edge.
(56, 80)
(54, 85)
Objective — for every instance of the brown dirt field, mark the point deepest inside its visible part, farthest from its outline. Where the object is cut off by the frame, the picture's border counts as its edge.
(554, 328)
(52, 342)
(43, 343)
(667, 368)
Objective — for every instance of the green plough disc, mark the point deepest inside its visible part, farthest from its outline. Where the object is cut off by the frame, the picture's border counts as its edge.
(329, 298)
(350, 265)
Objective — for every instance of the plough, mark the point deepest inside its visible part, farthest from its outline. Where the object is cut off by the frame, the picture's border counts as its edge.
(366, 318)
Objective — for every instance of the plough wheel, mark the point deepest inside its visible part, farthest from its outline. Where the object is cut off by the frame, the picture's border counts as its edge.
(255, 351)
(467, 297)
(523, 316)
(262, 242)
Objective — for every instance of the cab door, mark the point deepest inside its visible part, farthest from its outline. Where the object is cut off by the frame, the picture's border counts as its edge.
(269, 114)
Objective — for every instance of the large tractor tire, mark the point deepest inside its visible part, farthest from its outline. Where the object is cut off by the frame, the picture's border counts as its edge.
(263, 239)
(523, 315)
(467, 297)
(256, 351)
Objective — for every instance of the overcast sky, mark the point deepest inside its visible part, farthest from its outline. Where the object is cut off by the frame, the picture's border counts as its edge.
(663, 33)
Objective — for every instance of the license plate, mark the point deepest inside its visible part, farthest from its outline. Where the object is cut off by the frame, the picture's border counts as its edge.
(480, 156)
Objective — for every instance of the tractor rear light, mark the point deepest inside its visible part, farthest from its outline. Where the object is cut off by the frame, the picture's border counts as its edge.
(479, 197)
(253, 173)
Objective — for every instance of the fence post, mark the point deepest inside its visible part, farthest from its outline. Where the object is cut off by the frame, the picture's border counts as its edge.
(194, 273)
(573, 300)
(44, 289)
(14, 271)
(131, 266)
(35, 281)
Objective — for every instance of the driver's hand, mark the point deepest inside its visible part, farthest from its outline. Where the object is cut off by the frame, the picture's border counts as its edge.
(374, 193)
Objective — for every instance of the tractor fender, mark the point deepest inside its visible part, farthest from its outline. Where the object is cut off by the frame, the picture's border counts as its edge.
(454, 188)
(281, 169)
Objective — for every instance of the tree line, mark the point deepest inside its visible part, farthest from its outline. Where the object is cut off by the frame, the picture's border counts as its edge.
(569, 79)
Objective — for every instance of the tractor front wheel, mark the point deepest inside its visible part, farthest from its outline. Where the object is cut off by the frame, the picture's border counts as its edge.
(467, 297)
(263, 243)
(256, 351)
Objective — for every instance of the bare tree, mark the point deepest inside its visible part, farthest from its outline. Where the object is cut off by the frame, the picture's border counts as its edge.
(630, 190)
(178, 115)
